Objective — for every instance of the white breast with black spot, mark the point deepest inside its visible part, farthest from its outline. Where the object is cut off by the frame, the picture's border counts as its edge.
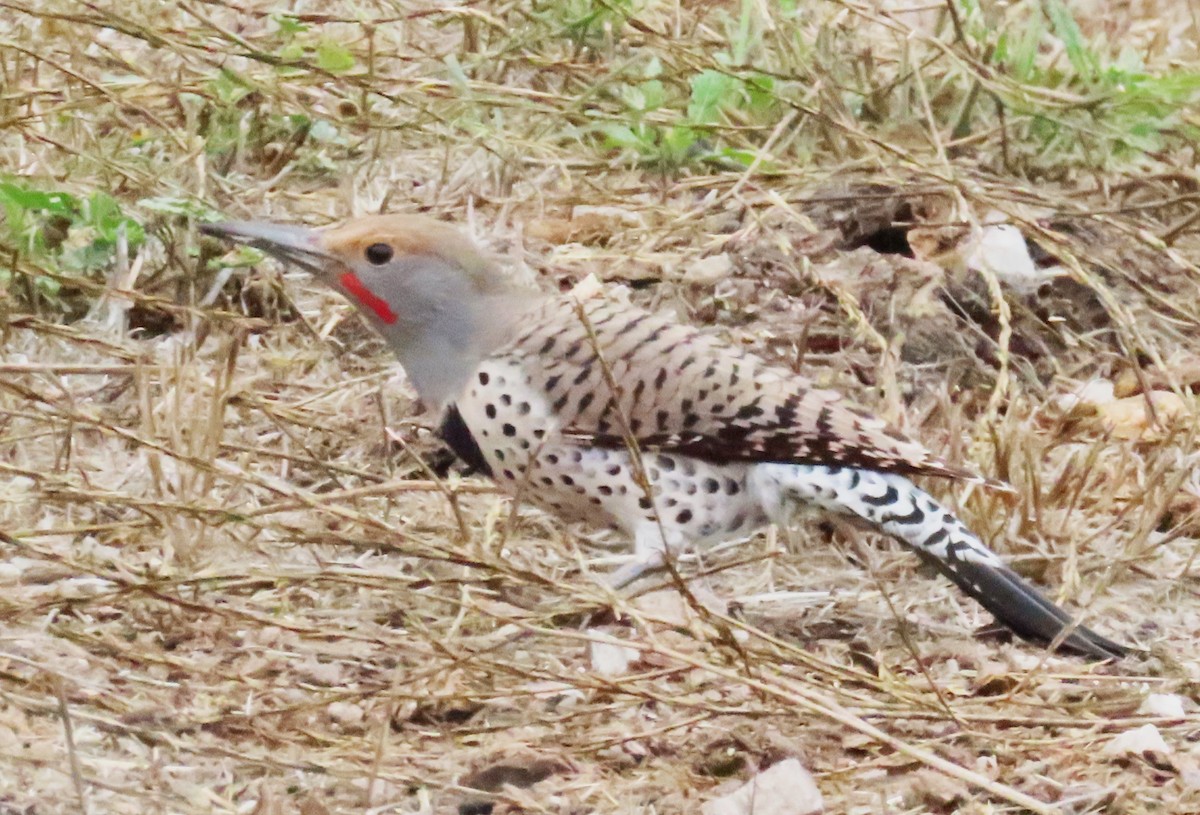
(695, 502)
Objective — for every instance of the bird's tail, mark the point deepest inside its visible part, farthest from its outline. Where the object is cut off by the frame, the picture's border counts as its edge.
(896, 506)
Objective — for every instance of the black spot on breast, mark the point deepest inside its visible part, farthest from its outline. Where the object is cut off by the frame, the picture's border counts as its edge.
(458, 437)
(490, 410)
(506, 399)
(712, 485)
(586, 400)
(484, 378)
(750, 411)
(659, 380)
(548, 346)
(566, 479)
(684, 516)
(509, 430)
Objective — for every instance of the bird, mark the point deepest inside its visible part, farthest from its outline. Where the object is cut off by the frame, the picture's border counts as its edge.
(603, 412)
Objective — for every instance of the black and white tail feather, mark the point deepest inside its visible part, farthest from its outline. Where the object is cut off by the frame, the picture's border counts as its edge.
(894, 505)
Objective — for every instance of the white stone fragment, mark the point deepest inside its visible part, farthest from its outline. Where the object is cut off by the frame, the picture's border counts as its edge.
(1167, 705)
(1001, 250)
(785, 788)
(1145, 739)
(708, 271)
(610, 659)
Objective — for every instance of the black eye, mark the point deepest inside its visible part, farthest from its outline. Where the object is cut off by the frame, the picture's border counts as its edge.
(379, 253)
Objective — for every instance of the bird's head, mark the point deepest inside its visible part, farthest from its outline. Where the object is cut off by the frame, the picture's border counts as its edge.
(433, 296)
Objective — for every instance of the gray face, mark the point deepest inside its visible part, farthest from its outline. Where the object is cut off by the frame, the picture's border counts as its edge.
(410, 296)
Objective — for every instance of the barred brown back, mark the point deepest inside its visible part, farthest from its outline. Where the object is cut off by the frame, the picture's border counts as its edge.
(685, 391)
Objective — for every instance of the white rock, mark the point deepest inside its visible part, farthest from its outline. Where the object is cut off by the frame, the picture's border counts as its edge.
(610, 659)
(345, 713)
(708, 271)
(1001, 250)
(1146, 739)
(1167, 705)
(1094, 393)
(785, 788)
(629, 217)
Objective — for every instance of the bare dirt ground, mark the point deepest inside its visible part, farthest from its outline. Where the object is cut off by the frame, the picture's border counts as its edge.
(239, 574)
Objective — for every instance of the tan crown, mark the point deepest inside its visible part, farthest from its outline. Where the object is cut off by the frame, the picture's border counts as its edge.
(412, 235)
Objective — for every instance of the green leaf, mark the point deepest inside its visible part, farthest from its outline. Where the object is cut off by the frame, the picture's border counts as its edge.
(238, 257)
(1082, 60)
(623, 136)
(54, 203)
(289, 26)
(709, 89)
(228, 87)
(678, 144)
(760, 91)
(292, 52)
(743, 157)
(654, 94)
(334, 57)
(745, 37)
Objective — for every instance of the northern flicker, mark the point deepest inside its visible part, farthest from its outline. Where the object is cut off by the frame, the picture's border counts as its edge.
(610, 414)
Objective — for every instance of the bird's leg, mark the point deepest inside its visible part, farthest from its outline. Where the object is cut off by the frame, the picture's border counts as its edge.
(649, 555)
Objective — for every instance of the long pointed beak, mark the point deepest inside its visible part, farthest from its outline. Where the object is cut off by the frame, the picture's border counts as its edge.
(292, 244)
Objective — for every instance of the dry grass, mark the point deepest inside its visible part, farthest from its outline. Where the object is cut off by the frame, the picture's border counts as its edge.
(228, 588)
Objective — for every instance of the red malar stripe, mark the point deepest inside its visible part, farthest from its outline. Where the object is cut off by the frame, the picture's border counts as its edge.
(367, 297)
